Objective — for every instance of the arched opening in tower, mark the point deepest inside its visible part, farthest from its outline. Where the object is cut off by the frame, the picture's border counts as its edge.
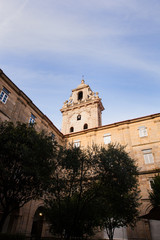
(80, 95)
(85, 126)
(72, 129)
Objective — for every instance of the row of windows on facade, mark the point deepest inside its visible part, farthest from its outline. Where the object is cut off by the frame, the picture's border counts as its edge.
(3, 98)
(147, 153)
(142, 133)
(107, 137)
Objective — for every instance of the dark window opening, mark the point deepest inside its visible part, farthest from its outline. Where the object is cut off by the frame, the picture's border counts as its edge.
(79, 117)
(80, 95)
(72, 129)
(4, 95)
(32, 119)
(52, 136)
(85, 126)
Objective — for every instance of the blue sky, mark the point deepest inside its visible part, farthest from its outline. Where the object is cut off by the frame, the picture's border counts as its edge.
(47, 45)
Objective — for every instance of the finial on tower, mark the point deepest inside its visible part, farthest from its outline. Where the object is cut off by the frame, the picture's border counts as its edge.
(82, 82)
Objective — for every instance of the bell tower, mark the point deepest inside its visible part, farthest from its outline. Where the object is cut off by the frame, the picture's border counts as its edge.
(82, 111)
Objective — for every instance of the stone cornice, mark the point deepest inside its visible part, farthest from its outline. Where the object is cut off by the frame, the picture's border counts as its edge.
(149, 171)
(82, 104)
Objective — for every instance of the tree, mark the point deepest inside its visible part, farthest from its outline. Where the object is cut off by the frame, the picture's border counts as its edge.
(119, 195)
(25, 166)
(92, 187)
(154, 195)
(71, 204)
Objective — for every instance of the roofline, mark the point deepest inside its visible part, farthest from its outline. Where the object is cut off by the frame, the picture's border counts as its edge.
(116, 124)
(79, 88)
(29, 101)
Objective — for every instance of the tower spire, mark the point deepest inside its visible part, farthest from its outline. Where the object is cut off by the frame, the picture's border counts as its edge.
(82, 81)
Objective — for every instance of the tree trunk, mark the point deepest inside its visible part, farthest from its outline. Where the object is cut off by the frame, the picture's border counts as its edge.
(110, 235)
(3, 219)
(110, 232)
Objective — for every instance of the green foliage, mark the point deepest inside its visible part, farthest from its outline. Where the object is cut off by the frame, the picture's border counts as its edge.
(119, 193)
(26, 165)
(70, 205)
(154, 195)
(91, 188)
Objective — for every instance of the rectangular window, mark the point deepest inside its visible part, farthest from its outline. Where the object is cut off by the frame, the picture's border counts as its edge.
(142, 131)
(148, 156)
(32, 119)
(52, 135)
(151, 181)
(4, 95)
(76, 143)
(107, 138)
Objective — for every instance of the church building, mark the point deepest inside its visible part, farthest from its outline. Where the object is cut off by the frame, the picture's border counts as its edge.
(82, 126)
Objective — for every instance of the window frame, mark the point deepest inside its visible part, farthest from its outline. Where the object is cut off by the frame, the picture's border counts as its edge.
(32, 119)
(4, 95)
(107, 138)
(148, 156)
(143, 131)
(76, 143)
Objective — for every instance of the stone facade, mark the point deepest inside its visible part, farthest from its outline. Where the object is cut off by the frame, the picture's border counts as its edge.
(16, 106)
(81, 126)
(19, 108)
(82, 111)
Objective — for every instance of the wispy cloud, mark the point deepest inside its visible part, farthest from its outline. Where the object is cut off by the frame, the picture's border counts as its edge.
(60, 40)
(94, 30)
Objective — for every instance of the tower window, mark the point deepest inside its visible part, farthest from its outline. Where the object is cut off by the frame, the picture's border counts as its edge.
(85, 126)
(72, 129)
(80, 95)
(79, 117)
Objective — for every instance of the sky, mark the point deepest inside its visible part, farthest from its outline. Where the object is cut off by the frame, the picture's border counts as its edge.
(46, 46)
